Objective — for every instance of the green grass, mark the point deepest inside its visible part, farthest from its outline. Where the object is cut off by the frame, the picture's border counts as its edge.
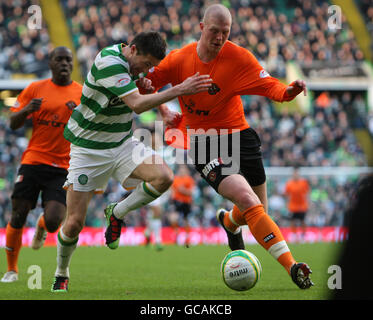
(177, 273)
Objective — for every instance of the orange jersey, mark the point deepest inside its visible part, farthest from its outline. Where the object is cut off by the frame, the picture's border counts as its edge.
(186, 182)
(235, 72)
(47, 144)
(297, 191)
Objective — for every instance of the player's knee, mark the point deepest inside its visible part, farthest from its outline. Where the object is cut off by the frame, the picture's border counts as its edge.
(52, 225)
(164, 180)
(18, 219)
(73, 226)
(246, 200)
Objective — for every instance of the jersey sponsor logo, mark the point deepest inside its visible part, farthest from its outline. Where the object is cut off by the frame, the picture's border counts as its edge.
(123, 81)
(214, 89)
(115, 101)
(53, 123)
(263, 74)
(211, 165)
(190, 108)
(71, 104)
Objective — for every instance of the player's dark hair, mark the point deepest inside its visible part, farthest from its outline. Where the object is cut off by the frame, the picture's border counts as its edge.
(150, 42)
(53, 52)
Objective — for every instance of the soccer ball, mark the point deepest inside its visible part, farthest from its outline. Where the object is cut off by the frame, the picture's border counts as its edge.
(241, 270)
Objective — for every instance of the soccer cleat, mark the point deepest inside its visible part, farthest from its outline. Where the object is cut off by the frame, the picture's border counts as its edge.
(299, 273)
(235, 241)
(60, 284)
(10, 276)
(113, 227)
(39, 236)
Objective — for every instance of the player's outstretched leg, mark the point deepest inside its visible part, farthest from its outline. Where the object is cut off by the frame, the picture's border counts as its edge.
(40, 233)
(235, 240)
(113, 227)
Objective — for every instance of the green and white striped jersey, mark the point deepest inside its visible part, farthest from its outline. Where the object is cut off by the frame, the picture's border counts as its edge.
(102, 120)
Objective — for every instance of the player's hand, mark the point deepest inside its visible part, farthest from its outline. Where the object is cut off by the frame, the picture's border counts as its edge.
(145, 84)
(34, 105)
(296, 88)
(195, 84)
(172, 118)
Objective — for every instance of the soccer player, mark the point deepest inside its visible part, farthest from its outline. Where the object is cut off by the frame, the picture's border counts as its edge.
(297, 190)
(235, 71)
(49, 104)
(182, 196)
(102, 144)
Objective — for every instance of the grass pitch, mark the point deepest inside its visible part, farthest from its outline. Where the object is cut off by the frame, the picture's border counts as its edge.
(176, 273)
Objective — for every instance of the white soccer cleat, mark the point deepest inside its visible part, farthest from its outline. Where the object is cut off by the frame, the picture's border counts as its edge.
(39, 236)
(10, 276)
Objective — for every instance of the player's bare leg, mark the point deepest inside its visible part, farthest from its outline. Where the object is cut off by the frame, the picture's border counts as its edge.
(67, 239)
(157, 177)
(48, 221)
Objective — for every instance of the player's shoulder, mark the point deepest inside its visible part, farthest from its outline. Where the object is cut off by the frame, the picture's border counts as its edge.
(234, 51)
(76, 85)
(111, 55)
(184, 52)
(37, 85)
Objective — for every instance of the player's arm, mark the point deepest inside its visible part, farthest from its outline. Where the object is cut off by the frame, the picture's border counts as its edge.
(18, 119)
(170, 118)
(140, 103)
(252, 79)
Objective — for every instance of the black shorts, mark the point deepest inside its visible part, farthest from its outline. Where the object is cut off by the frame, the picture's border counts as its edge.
(217, 157)
(297, 215)
(33, 179)
(182, 207)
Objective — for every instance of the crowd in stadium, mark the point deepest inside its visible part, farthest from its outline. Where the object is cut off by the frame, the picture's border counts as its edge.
(321, 138)
(298, 33)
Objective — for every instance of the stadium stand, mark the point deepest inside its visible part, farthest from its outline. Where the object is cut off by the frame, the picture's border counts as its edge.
(22, 50)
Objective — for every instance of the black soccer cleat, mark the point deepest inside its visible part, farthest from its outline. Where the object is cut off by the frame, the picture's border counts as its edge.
(113, 227)
(299, 273)
(235, 241)
(60, 284)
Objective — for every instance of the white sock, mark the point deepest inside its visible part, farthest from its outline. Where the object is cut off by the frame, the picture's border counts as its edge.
(65, 249)
(141, 196)
(156, 226)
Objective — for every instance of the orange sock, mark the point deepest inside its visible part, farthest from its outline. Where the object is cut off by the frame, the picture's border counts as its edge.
(268, 235)
(233, 219)
(187, 238)
(41, 223)
(13, 246)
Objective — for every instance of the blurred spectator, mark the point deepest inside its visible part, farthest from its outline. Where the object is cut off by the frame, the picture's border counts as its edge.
(22, 50)
(274, 34)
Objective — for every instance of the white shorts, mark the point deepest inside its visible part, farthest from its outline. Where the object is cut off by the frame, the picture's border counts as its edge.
(91, 169)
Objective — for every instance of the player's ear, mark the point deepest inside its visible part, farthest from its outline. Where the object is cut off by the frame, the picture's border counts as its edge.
(201, 25)
(133, 50)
